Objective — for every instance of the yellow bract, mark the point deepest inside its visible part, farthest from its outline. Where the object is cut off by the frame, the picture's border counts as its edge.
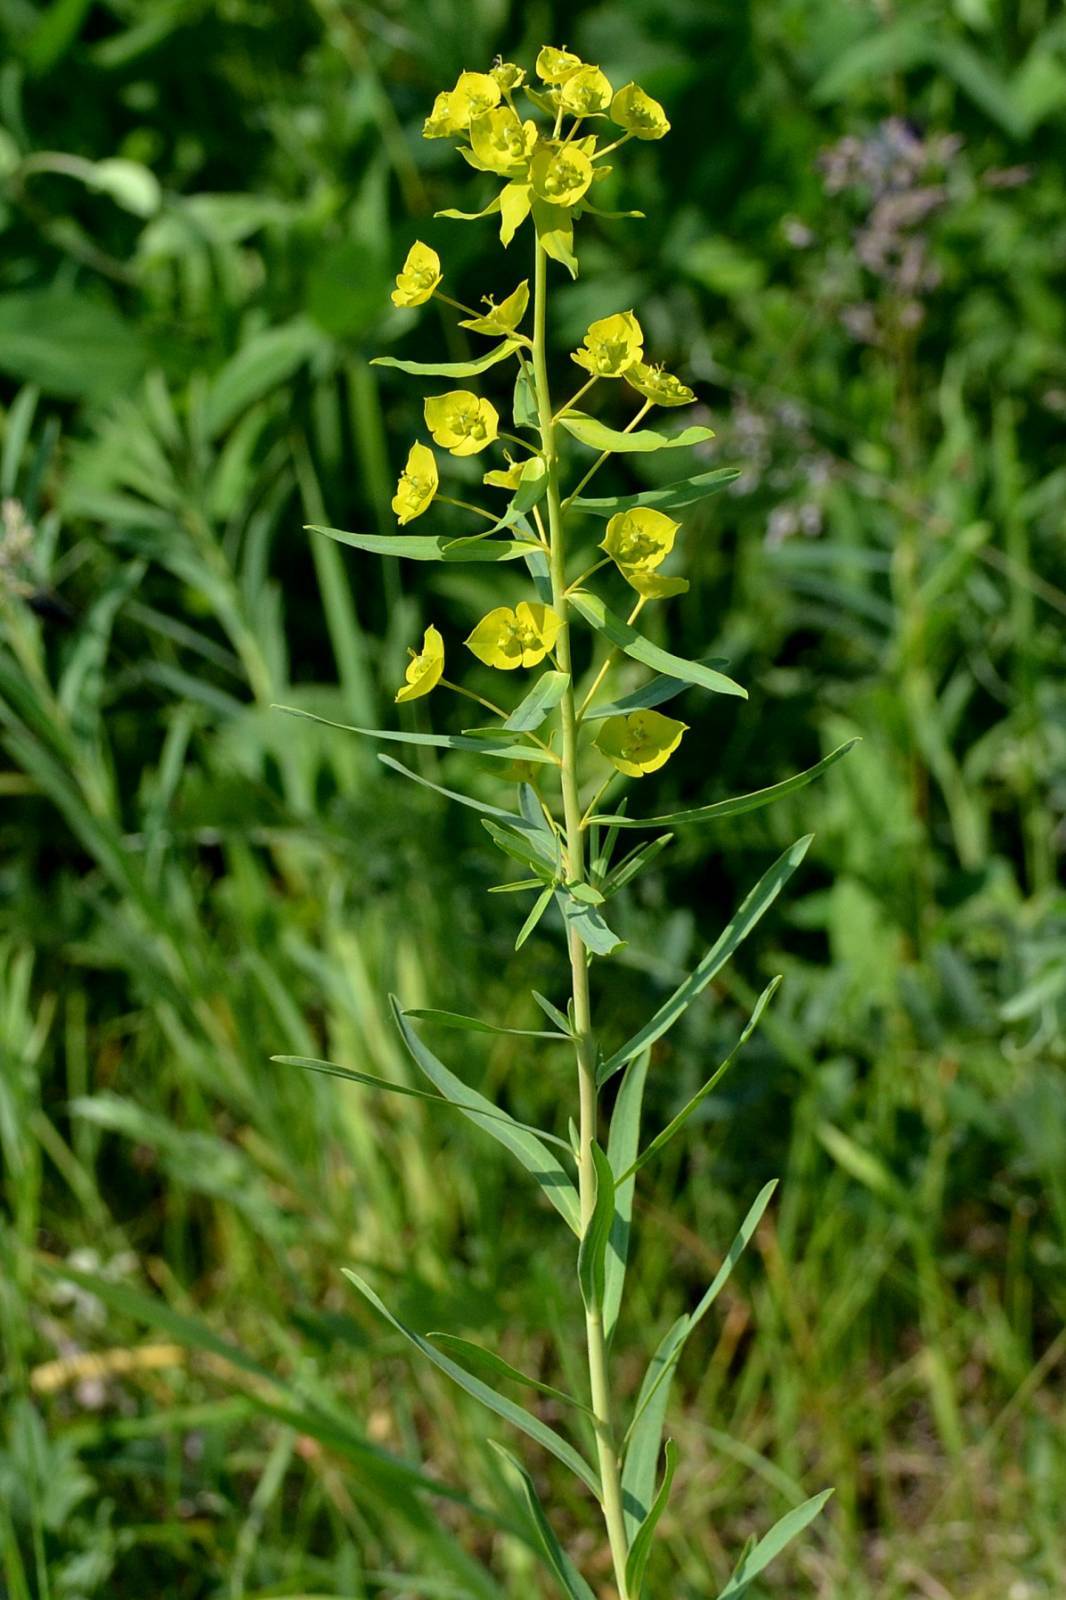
(638, 113)
(639, 540)
(612, 346)
(656, 384)
(653, 586)
(417, 486)
(521, 638)
(473, 95)
(641, 742)
(586, 92)
(502, 142)
(425, 668)
(445, 120)
(504, 318)
(560, 173)
(508, 76)
(499, 479)
(555, 66)
(461, 422)
(419, 277)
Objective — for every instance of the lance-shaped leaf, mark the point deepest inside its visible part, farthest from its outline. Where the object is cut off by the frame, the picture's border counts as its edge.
(569, 1579)
(330, 1069)
(539, 907)
(771, 1545)
(592, 1253)
(670, 497)
(662, 1139)
(503, 1369)
(587, 430)
(509, 751)
(655, 693)
(427, 547)
(531, 1426)
(626, 638)
(733, 934)
(451, 369)
(539, 703)
(468, 800)
(524, 407)
(528, 846)
(635, 862)
(456, 1019)
(646, 1429)
(588, 924)
(529, 1148)
(640, 1549)
(622, 1144)
(740, 803)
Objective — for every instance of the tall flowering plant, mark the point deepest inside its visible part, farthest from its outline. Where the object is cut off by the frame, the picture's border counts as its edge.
(562, 742)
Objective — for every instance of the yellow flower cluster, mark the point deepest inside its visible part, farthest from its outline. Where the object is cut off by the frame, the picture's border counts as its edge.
(637, 542)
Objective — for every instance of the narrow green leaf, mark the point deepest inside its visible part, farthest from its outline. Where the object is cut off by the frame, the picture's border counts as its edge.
(540, 906)
(587, 430)
(551, 1012)
(655, 693)
(528, 1147)
(471, 216)
(539, 703)
(740, 803)
(519, 1418)
(503, 1369)
(511, 751)
(457, 795)
(592, 1252)
(662, 1139)
(640, 1549)
(524, 409)
(426, 547)
(330, 1069)
(771, 1545)
(569, 1579)
(533, 484)
(626, 638)
(588, 924)
(732, 936)
(451, 369)
(622, 1144)
(636, 862)
(670, 497)
(527, 845)
(455, 1019)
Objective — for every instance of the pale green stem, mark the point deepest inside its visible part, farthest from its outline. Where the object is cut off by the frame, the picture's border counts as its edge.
(599, 461)
(497, 711)
(608, 662)
(573, 400)
(585, 1050)
(464, 505)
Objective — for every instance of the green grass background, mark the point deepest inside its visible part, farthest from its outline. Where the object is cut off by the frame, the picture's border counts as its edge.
(189, 882)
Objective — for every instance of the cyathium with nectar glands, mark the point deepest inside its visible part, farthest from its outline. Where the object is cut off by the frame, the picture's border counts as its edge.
(559, 743)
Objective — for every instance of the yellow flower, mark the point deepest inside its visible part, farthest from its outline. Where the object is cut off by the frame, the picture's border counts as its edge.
(638, 113)
(419, 277)
(656, 384)
(445, 120)
(521, 638)
(499, 479)
(461, 422)
(586, 92)
(425, 668)
(508, 76)
(473, 95)
(504, 318)
(561, 173)
(417, 485)
(502, 142)
(639, 540)
(555, 66)
(612, 346)
(641, 742)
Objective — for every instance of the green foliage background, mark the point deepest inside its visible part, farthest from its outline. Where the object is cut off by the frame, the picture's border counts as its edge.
(192, 882)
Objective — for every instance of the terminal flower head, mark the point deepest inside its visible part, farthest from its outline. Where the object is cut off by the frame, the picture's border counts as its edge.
(417, 486)
(641, 742)
(612, 345)
(504, 318)
(502, 142)
(520, 638)
(586, 92)
(560, 173)
(654, 383)
(473, 95)
(555, 66)
(418, 277)
(638, 113)
(424, 669)
(461, 422)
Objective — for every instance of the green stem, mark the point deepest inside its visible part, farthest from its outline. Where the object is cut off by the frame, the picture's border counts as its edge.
(599, 461)
(584, 1042)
